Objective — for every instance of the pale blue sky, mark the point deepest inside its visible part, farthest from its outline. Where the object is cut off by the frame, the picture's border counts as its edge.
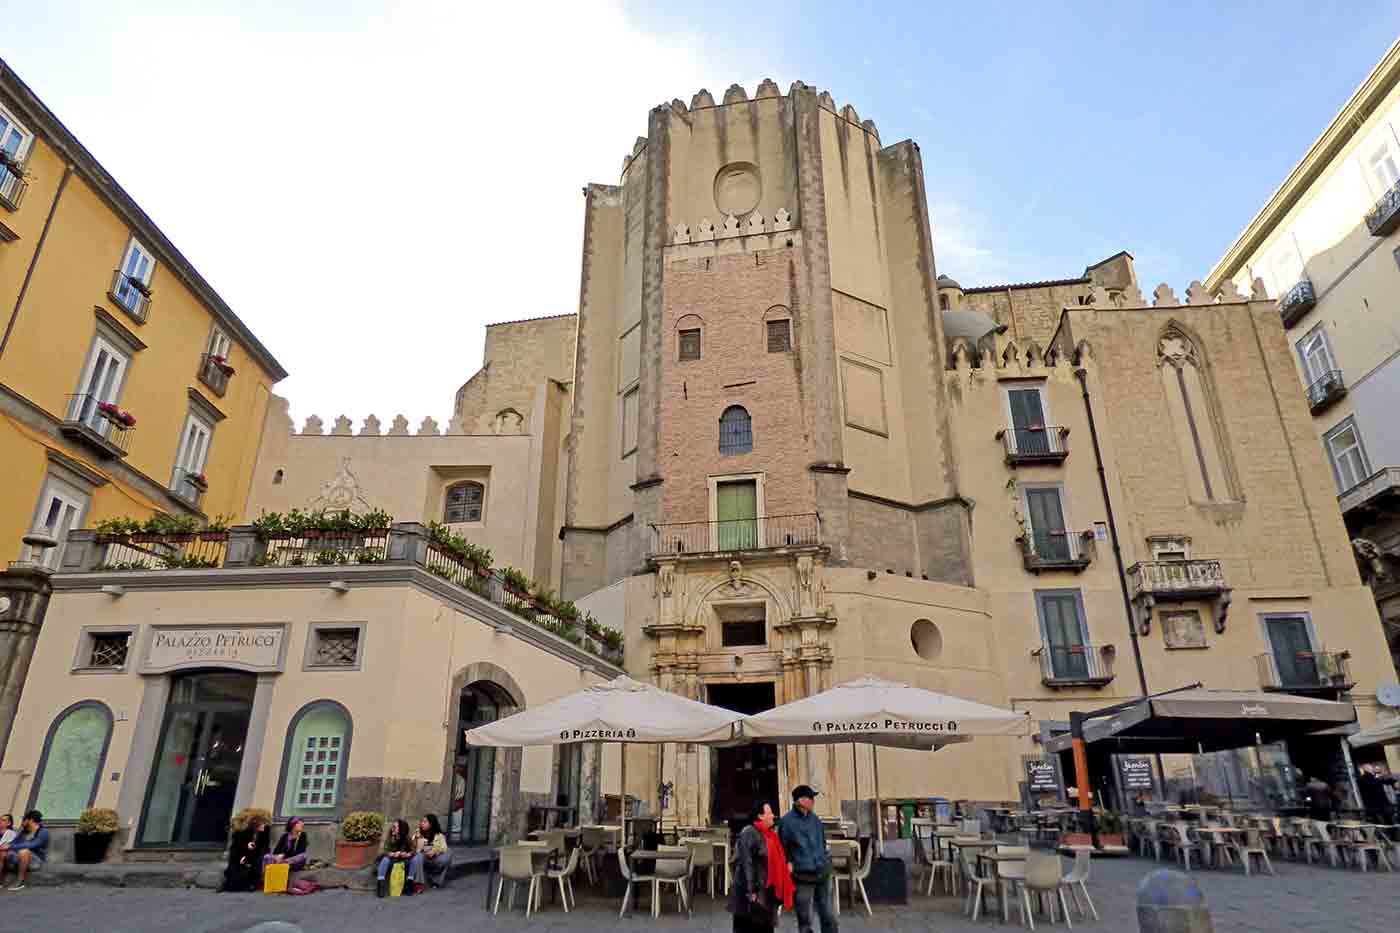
(369, 183)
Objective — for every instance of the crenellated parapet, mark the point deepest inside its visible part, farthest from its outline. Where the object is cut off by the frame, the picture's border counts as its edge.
(756, 232)
(343, 426)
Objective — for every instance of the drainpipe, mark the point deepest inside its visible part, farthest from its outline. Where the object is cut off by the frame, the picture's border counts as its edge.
(1083, 376)
(34, 259)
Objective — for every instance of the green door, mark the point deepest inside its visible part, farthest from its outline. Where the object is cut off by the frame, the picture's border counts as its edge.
(737, 505)
(1065, 635)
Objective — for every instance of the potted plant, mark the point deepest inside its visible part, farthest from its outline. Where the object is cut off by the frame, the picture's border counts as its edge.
(374, 524)
(96, 827)
(243, 817)
(116, 530)
(1111, 828)
(269, 526)
(360, 833)
(198, 481)
(215, 530)
(118, 416)
(221, 363)
(516, 583)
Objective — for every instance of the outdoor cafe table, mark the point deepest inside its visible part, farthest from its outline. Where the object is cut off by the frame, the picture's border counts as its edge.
(660, 853)
(997, 858)
(1214, 836)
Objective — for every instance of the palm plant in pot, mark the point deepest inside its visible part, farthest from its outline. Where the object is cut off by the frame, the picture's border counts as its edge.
(360, 833)
(96, 827)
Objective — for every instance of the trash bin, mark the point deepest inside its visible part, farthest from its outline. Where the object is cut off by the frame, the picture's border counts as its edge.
(906, 819)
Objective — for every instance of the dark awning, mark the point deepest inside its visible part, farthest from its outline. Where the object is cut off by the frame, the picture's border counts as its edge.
(1211, 720)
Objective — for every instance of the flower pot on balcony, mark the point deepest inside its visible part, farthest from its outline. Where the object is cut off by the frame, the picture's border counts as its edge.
(352, 856)
(213, 536)
(91, 848)
(142, 537)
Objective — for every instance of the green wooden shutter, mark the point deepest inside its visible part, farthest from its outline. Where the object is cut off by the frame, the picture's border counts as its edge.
(737, 508)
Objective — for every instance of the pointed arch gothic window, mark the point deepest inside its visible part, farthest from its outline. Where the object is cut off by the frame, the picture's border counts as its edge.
(1195, 421)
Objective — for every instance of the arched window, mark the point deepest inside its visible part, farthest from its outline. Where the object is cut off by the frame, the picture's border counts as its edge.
(464, 502)
(315, 761)
(943, 302)
(1190, 402)
(71, 767)
(735, 431)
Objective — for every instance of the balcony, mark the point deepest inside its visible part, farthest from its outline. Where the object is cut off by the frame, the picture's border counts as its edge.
(190, 487)
(772, 532)
(214, 372)
(1057, 550)
(98, 425)
(1305, 671)
(1075, 665)
(1374, 495)
(12, 183)
(1385, 216)
(1153, 581)
(131, 295)
(1296, 302)
(1044, 444)
(1326, 389)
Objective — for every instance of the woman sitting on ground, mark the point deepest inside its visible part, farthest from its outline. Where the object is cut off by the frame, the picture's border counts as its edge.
(245, 856)
(291, 848)
(398, 847)
(762, 882)
(433, 859)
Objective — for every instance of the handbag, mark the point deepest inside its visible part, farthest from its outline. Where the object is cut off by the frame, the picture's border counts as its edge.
(397, 874)
(275, 878)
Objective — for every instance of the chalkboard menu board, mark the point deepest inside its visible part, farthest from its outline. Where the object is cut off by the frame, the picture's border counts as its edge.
(1040, 777)
(1136, 772)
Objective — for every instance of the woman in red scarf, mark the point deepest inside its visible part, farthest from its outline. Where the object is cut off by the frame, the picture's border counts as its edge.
(762, 882)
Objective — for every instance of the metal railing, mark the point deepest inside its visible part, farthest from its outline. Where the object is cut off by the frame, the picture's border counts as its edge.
(213, 375)
(88, 421)
(12, 185)
(1054, 549)
(1177, 577)
(1305, 670)
(1026, 445)
(1296, 302)
(1385, 216)
(131, 295)
(196, 550)
(326, 549)
(1071, 665)
(742, 534)
(1325, 390)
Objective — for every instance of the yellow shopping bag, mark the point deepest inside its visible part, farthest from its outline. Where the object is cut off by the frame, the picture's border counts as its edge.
(275, 878)
(396, 879)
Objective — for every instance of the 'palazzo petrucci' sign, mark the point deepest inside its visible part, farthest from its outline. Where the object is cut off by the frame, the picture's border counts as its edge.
(242, 647)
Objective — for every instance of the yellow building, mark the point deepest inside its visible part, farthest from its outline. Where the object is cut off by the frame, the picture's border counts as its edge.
(127, 385)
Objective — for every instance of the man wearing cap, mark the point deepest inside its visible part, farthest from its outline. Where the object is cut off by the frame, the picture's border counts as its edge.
(804, 840)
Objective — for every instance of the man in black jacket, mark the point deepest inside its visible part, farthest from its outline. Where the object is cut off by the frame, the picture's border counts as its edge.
(804, 840)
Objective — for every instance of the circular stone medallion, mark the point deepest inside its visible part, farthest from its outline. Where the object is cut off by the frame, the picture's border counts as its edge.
(737, 188)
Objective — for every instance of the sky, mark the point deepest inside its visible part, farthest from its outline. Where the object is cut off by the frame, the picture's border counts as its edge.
(368, 184)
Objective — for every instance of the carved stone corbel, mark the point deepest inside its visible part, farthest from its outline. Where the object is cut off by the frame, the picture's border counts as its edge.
(1222, 611)
(1144, 604)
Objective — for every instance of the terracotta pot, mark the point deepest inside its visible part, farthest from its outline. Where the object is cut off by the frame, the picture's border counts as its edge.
(353, 855)
(213, 536)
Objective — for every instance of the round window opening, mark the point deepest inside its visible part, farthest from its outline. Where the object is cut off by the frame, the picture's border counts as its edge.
(928, 641)
(737, 188)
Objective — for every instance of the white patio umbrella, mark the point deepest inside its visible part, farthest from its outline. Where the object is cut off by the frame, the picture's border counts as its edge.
(623, 710)
(878, 712)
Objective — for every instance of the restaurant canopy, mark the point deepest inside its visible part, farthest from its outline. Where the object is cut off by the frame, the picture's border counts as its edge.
(1382, 733)
(621, 710)
(1200, 720)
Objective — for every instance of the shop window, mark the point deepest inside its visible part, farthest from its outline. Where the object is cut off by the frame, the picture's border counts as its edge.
(314, 761)
(71, 767)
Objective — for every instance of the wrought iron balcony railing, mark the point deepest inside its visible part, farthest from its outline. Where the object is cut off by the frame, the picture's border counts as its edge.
(1177, 579)
(131, 295)
(1057, 550)
(1325, 390)
(1074, 665)
(12, 185)
(744, 534)
(1041, 444)
(1296, 302)
(1302, 671)
(213, 375)
(1385, 216)
(99, 425)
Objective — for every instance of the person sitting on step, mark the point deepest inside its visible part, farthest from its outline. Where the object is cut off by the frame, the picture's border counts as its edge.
(432, 860)
(28, 852)
(291, 847)
(398, 847)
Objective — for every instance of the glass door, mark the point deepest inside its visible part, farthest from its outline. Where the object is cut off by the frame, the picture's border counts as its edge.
(474, 768)
(195, 777)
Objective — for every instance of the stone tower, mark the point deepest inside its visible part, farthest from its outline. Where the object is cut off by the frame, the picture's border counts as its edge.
(758, 306)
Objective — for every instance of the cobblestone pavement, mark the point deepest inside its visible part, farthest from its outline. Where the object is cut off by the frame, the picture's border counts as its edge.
(1301, 897)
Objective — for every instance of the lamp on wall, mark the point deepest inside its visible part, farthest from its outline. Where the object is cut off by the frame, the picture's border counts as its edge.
(338, 586)
(114, 590)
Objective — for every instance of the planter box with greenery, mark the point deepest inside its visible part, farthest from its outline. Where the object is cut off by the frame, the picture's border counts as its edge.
(361, 833)
(96, 827)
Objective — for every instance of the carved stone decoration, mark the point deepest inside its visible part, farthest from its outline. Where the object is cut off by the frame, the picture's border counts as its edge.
(735, 94)
(1164, 297)
(767, 88)
(1258, 291)
(1034, 356)
(736, 574)
(1222, 611)
(1176, 348)
(702, 98)
(1083, 352)
(682, 234)
(704, 230)
(1196, 294)
(399, 427)
(342, 427)
(313, 426)
(370, 428)
(1132, 298)
(666, 579)
(341, 491)
(429, 427)
(782, 220)
(755, 224)
(960, 354)
(1371, 560)
(1228, 291)
(731, 225)
(455, 425)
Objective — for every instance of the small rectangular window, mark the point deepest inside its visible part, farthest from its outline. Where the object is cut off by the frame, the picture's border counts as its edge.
(464, 502)
(109, 649)
(780, 336)
(336, 647)
(1347, 454)
(743, 634)
(131, 285)
(219, 344)
(690, 344)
